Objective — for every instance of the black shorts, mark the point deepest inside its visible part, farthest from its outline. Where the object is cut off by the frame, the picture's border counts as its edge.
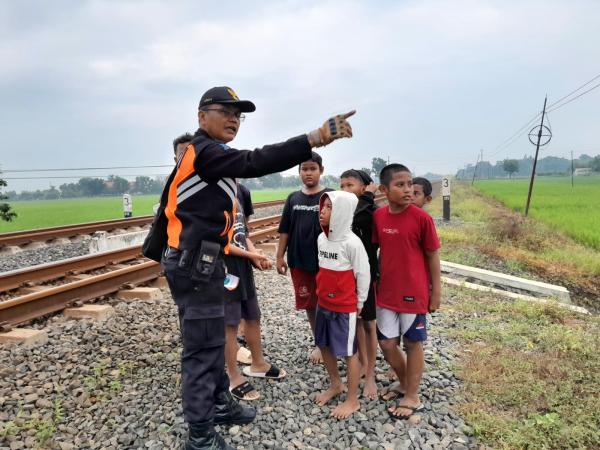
(236, 310)
(242, 302)
(369, 312)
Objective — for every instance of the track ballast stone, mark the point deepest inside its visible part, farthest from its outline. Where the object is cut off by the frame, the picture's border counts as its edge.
(116, 385)
(53, 252)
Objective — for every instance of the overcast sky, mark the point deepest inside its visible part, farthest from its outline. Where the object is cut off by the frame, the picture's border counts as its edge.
(111, 83)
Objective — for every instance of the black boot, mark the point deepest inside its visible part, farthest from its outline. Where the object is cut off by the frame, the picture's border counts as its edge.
(228, 411)
(203, 436)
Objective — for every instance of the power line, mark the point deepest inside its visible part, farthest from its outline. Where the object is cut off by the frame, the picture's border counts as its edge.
(571, 93)
(90, 176)
(84, 168)
(575, 98)
(508, 142)
(512, 139)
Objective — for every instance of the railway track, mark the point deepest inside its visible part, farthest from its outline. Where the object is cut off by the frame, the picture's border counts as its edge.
(24, 296)
(20, 238)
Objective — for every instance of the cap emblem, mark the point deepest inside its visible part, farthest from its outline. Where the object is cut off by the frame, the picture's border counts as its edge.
(233, 94)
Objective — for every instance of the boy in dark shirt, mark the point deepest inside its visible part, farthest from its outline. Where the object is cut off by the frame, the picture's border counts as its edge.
(242, 303)
(359, 183)
(298, 232)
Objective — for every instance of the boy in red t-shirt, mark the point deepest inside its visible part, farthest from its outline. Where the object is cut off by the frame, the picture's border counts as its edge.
(409, 265)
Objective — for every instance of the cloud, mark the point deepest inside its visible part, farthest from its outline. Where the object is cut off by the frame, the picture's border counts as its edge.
(433, 81)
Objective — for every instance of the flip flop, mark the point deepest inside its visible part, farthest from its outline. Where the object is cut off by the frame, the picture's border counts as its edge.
(414, 409)
(391, 394)
(244, 356)
(241, 392)
(274, 373)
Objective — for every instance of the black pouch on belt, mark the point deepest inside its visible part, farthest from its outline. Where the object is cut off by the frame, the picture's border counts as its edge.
(205, 261)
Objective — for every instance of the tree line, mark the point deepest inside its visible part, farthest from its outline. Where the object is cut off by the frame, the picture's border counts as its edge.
(550, 165)
(145, 185)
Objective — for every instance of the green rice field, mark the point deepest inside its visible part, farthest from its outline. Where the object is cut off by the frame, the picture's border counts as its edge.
(572, 210)
(52, 213)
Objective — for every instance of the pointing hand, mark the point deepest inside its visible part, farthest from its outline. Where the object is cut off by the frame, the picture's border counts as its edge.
(335, 128)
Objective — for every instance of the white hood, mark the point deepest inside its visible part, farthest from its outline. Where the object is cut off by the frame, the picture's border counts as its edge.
(343, 205)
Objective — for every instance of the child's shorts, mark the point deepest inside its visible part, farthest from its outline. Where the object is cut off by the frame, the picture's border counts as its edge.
(236, 310)
(336, 330)
(392, 324)
(305, 288)
(368, 312)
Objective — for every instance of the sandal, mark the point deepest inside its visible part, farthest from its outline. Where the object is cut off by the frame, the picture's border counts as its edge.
(391, 394)
(414, 410)
(274, 373)
(241, 392)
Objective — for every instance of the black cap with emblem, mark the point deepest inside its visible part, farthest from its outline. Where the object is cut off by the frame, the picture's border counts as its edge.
(224, 95)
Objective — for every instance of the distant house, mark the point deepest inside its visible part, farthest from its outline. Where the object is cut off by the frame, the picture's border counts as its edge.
(583, 171)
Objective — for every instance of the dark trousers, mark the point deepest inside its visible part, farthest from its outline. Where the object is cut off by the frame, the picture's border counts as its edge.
(202, 323)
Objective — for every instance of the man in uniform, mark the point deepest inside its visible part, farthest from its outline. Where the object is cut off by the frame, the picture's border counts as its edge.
(200, 212)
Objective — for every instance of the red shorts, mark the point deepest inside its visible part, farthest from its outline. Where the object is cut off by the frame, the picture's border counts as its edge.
(305, 288)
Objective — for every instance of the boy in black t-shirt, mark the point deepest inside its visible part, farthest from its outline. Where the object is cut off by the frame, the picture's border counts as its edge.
(298, 232)
(360, 183)
(242, 303)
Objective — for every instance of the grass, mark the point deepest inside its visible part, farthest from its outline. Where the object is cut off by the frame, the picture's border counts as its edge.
(486, 234)
(51, 213)
(574, 211)
(529, 372)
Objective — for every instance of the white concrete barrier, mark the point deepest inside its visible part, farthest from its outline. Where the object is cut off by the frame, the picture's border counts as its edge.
(548, 290)
(102, 242)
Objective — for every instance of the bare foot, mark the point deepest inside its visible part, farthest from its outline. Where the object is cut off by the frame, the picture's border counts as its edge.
(315, 356)
(393, 392)
(391, 374)
(345, 409)
(363, 371)
(263, 367)
(324, 397)
(370, 389)
(244, 356)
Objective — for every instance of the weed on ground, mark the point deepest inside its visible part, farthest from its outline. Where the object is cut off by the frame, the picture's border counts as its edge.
(530, 372)
(491, 236)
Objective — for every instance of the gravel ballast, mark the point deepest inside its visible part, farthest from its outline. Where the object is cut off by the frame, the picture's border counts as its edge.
(115, 385)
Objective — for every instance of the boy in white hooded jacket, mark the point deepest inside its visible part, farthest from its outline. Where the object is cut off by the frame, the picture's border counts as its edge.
(342, 288)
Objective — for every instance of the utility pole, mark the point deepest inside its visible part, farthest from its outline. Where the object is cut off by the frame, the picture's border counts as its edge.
(537, 150)
(572, 169)
(475, 170)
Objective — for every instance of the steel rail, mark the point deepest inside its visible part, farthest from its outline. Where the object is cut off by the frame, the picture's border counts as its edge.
(51, 271)
(58, 269)
(27, 307)
(66, 231)
(38, 304)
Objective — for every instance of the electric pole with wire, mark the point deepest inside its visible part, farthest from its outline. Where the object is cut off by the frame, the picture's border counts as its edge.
(537, 130)
(572, 170)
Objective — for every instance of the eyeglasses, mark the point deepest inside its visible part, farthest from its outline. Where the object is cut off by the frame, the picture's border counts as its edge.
(228, 114)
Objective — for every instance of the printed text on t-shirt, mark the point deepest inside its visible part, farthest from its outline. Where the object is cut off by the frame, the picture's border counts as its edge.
(328, 255)
(314, 208)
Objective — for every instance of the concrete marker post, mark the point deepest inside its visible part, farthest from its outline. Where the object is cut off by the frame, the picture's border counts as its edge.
(446, 198)
(127, 206)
